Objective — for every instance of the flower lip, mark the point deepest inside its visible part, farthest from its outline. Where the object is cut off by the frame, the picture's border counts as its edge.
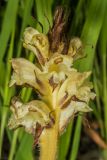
(37, 43)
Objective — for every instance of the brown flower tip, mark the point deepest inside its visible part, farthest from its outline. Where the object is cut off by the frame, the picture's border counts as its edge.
(56, 34)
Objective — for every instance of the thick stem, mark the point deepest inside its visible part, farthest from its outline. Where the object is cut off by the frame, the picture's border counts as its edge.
(49, 141)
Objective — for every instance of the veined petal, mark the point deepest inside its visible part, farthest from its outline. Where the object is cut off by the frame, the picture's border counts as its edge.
(44, 87)
(56, 62)
(26, 72)
(65, 117)
(75, 48)
(73, 82)
(78, 78)
(75, 87)
(84, 92)
(37, 43)
(23, 72)
(29, 114)
(68, 113)
(58, 66)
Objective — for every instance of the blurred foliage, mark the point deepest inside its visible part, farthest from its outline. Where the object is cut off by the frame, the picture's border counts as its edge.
(89, 22)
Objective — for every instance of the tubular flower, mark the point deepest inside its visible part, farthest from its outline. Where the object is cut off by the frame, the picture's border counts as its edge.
(63, 91)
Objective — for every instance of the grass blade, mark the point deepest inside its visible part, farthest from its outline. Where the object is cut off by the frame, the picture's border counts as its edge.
(26, 15)
(65, 142)
(7, 92)
(25, 154)
(7, 25)
(76, 139)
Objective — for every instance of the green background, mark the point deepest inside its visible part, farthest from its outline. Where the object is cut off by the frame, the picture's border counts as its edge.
(89, 22)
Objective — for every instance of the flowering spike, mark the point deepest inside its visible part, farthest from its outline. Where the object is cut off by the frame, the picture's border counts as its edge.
(63, 90)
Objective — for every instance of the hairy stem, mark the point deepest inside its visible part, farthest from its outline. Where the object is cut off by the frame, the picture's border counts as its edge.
(49, 140)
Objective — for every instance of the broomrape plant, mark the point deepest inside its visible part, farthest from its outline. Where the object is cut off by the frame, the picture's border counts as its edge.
(62, 90)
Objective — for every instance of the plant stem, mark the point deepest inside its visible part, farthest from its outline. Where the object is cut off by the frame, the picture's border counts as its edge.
(13, 145)
(49, 140)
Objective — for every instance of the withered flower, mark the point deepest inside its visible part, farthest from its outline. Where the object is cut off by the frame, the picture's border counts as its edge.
(63, 91)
